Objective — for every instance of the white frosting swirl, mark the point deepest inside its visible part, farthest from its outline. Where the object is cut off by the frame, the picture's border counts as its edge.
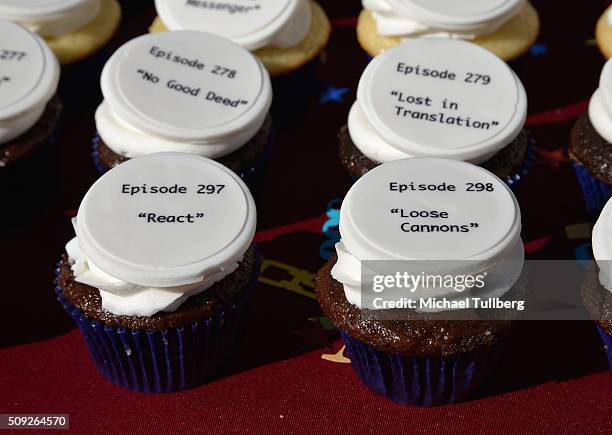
(14, 127)
(293, 32)
(602, 245)
(126, 299)
(391, 22)
(53, 21)
(600, 105)
(368, 141)
(599, 117)
(128, 141)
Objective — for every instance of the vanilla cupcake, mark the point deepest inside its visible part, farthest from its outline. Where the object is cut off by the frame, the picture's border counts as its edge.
(74, 29)
(603, 33)
(428, 218)
(438, 97)
(29, 113)
(508, 28)
(160, 270)
(185, 91)
(284, 34)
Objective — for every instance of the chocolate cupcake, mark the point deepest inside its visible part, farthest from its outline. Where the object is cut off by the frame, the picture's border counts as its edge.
(29, 113)
(286, 35)
(160, 270)
(597, 287)
(590, 146)
(508, 28)
(219, 93)
(433, 218)
(423, 98)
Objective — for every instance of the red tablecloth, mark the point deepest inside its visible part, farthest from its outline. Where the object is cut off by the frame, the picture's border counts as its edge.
(304, 394)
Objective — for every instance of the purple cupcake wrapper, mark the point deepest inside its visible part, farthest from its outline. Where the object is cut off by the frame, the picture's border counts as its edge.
(420, 381)
(596, 193)
(161, 361)
(95, 155)
(253, 176)
(607, 341)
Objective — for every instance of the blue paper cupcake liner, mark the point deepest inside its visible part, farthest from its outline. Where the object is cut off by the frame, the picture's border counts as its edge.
(595, 192)
(607, 341)
(420, 381)
(253, 177)
(513, 180)
(161, 361)
(95, 155)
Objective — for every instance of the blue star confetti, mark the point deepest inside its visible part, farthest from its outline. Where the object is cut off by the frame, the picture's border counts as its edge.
(538, 50)
(333, 94)
(330, 229)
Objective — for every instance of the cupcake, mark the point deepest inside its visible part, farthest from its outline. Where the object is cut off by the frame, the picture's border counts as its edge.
(29, 113)
(597, 287)
(74, 29)
(286, 35)
(438, 97)
(185, 91)
(508, 28)
(160, 270)
(590, 148)
(418, 215)
(603, 33)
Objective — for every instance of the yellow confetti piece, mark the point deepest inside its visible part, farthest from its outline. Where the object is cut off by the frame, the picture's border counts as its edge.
(579, 231)
(337, 357)
(299, 281)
